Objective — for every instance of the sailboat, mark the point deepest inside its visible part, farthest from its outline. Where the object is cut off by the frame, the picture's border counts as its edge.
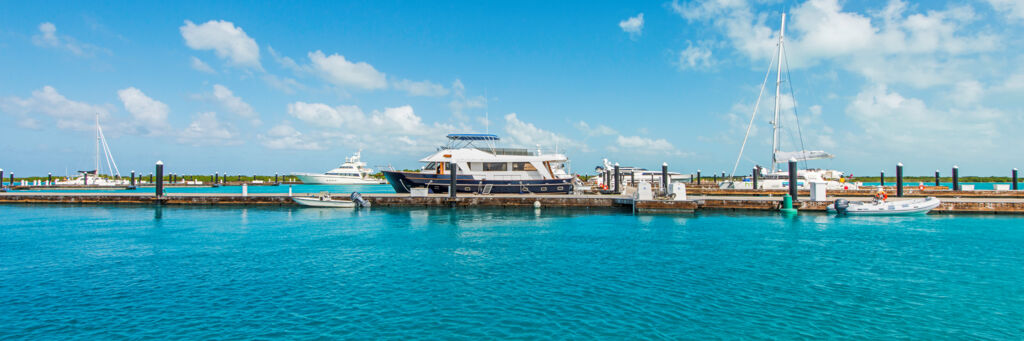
(93, 177)
(773, 177)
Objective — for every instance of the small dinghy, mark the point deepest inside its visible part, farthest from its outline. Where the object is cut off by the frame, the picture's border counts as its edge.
(882, 207)
(324, 200)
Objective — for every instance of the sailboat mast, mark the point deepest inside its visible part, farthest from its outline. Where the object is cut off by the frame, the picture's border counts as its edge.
(778, 85)
(97, 145)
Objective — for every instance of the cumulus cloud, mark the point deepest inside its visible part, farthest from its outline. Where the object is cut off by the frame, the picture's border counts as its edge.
(634, 25)
(284, 136)
(148, 113)
(340, 71)
(206, 129)
(460, 102)
(48, 37)
(423, 88)
(695, 58)
(1013, 9)
(47, 101)
(351, 126)
(643, 145)
(323, 115)
(527, 135)
(225, 39)
(599, 130)
(201, 66)
(232, 103)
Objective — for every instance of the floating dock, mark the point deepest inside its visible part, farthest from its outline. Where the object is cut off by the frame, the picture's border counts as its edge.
(953, 202)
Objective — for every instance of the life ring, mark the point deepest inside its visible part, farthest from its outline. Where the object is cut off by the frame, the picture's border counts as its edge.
(882, 196)
(920, 187)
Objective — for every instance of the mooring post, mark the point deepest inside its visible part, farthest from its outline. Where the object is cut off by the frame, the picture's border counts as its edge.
(956, 178)
(49, 178)
(936, 178)
(698, 176)
(899, 179)
(664, 177)
(754, 177)
(159, 179)
(85, 178)
(632, 178)
(714, 178)
(1, 178)
(133, 179)
(793, 184)
(275, 179)
(216, 177)
(150, 177)
(881, 179)
(617, 178)
(452, 183)
(1014, 176)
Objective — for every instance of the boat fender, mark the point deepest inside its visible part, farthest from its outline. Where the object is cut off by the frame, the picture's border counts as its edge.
(841, 205)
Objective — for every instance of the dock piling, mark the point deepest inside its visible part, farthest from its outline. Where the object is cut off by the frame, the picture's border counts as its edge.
(133, 179)
(899, 179)
(1014, 176)
(216, 178)
(881, 179)
(956, 178)
(1, 178)
(617, 178)
(793, 185)
(936, 178)
(451, 182)
(275, 179)
(49, 179)
(159, 179)
(698, 176)
(754, 176)
(664, 177)
(85, 178)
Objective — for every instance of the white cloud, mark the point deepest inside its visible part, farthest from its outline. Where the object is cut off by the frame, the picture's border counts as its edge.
(1014, 9)
(323, 115)
(892, 122)
(460, 102)
(424, 88)
(695, 58)
(634, 25)
(201, 66)
(233, 103)
(967, 92)
(285, 84)
(206, 129)
(338, 70)
(599, 130)
(527, 135)
(48, 101)
(643, 145)
(48, 37)
(147, 112)
(225, 39)
(284, 136)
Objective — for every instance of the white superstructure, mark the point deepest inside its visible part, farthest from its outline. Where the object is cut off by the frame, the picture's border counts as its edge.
(352, 172)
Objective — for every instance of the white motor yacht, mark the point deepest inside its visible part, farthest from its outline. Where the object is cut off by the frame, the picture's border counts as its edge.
(352, 172)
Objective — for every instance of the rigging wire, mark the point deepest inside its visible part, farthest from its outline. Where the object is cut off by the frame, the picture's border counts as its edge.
(754, 114)
(803, 150)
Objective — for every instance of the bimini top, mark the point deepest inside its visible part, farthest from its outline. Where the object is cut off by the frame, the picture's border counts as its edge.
(473, 137)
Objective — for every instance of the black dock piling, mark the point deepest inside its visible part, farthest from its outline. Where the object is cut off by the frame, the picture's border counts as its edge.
(452, 182)
(1, 178)
(754, 177)
(275, 179)
(698, 176)
(159, 179)
(150, 177)
(632, 178)
(617, 178)
(881, 179)
(793, 184)
(1014, 176)
(899, 179)
(956, 178)
(714, 178)
(85, 178)
(936, 178)
(133, 179)
(664, 177)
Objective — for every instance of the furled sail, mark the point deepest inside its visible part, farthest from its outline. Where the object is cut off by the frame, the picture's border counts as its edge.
(782, 157)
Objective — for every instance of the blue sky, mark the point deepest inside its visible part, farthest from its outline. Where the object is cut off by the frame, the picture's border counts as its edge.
(242, 87)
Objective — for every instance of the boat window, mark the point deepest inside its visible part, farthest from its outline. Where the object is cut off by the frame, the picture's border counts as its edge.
(476, 166)
(523, 166)
(495, 166)
(431, 166)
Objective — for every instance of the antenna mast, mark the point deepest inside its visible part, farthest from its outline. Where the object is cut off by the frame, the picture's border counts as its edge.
(778, 82)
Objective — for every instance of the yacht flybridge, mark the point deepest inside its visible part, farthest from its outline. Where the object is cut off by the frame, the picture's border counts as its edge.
(352, 172)
(484, 168)
(773, 177)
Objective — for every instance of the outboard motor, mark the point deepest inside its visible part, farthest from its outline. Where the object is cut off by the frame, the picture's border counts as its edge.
(358, 199)
(841, 205)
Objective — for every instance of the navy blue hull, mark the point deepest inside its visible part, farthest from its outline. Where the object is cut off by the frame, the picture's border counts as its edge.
(438, 183)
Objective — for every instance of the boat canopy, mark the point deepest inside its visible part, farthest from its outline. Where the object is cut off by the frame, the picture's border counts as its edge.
(473, 137)
(783, 157)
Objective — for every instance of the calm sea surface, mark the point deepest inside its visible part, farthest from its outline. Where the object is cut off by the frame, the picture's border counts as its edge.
(141, 272)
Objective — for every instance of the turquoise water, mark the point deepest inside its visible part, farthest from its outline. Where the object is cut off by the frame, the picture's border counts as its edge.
(977, 185)
(101, 272)
(238, 189)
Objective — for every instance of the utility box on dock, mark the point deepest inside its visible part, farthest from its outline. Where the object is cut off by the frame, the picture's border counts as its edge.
(418, 192)
(818, 190)
(644, 191)
(678, 191)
